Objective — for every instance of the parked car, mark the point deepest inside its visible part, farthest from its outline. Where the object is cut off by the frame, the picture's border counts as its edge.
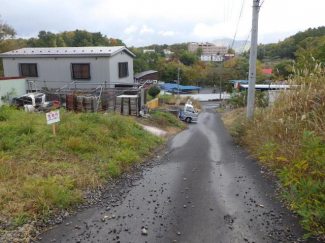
(188, 114)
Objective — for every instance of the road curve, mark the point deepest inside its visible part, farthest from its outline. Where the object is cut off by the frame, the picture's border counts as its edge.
(204, 189)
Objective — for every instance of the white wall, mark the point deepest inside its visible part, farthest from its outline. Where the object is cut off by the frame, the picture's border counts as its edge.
(57, 71)
(18, 85)
(113, 68)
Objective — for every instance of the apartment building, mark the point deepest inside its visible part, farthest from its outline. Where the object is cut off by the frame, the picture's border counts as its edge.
(207, 48)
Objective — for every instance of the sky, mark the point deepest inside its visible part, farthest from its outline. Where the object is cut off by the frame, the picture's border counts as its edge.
(145, 22)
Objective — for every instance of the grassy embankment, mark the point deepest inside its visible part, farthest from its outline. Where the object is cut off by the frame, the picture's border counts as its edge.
(290, 138)
(40, 173)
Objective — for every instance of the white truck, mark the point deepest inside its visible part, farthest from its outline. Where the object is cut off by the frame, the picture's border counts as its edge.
(188, 114)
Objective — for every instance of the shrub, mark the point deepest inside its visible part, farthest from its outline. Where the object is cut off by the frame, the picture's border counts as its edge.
(239, 99)
(153, 91)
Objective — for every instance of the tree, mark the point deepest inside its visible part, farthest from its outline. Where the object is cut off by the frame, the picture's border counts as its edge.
(230, 51)
(153, 91)
(188, 58)
(46, 39)
(283, 69)
(199, 51)
(60, 41)
(6, 43)
(82, 38)
(6, 31)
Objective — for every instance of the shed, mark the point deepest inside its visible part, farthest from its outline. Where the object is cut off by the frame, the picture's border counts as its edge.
(142, 77)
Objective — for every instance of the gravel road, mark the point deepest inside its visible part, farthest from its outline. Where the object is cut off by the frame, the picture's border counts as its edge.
(203, 188)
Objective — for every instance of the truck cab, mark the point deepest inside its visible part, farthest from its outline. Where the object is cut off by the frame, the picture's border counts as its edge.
(188, 114)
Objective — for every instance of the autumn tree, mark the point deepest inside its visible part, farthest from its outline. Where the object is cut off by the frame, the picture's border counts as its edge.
(6, 31)
(7, 43)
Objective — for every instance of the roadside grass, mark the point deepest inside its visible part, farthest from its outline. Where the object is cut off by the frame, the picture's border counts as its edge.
(220, 109)
(41, 173)
(163, 120)
(290, 138)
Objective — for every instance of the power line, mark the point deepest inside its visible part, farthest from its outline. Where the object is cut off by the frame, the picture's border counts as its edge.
(241, 11)
(246, 40)
(262, 4)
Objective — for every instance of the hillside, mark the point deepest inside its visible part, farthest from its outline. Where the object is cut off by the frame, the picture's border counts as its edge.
(290, 45)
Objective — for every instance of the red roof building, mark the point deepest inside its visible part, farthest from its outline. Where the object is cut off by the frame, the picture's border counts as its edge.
(267, 71)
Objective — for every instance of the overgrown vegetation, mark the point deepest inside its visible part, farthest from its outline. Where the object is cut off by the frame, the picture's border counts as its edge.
(290, 138)
(165, 119)
(172, 99)
(239, 99)
(40, 173)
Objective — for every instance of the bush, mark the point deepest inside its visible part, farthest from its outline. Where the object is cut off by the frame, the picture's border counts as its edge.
(239, 99)
(153, 91)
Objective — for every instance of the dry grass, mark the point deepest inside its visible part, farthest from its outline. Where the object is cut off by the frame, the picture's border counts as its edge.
(290, 138)
(172, 99)
(163, 120)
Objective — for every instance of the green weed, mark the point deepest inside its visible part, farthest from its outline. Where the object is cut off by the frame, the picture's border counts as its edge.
(41, 173)
(166, 119)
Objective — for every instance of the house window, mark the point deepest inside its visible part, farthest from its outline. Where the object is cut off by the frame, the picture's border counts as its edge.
(80, 70)
(28, 69)
(123, 69)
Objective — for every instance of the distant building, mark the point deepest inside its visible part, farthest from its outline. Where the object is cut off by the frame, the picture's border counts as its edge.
(228, 56)
(211, 58)
(267, 71)
(168, 52)
(147, 50)
(207, 48)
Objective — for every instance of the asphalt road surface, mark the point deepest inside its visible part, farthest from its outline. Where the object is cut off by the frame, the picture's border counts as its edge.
(204, 188)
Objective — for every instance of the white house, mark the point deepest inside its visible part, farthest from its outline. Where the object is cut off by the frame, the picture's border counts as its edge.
(211, 58)
(168, 52)
(55, 67)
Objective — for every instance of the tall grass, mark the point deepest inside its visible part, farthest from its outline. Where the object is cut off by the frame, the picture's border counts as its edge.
(171, 99)
(290, 138)
(40, 173)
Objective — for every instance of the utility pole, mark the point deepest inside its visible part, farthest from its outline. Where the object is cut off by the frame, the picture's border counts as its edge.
(252, 61)
(178, 81)
(220, 86)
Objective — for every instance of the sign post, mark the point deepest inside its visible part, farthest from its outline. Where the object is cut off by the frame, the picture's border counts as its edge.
(53, 117)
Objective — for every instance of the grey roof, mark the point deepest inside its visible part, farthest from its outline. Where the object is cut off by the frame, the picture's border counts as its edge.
(67, 51)
(139, 75)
